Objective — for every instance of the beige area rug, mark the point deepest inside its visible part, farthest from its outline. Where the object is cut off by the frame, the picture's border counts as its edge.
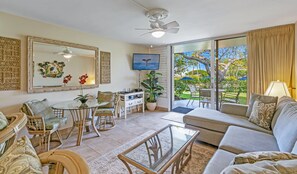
(173, 116)
(110, 164)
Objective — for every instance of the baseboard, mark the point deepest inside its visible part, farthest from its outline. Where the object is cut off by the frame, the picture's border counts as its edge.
(159, 108)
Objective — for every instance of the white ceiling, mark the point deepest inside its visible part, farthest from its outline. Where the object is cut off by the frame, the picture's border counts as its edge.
(117, 19)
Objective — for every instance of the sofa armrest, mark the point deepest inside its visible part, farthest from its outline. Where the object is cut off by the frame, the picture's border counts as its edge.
(234, 109)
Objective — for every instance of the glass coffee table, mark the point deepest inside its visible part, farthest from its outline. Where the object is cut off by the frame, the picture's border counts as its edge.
(170, 146)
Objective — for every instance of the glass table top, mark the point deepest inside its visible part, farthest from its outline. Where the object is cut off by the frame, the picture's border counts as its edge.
(157, 150)
(76, 104)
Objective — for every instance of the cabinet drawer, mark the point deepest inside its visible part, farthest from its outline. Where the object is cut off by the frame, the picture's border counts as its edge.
(138, 101)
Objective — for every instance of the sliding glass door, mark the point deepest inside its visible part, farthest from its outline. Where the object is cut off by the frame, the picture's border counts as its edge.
(208, 73)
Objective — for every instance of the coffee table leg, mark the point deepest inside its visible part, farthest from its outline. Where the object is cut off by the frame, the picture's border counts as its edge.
(127, 165)
(182, 160)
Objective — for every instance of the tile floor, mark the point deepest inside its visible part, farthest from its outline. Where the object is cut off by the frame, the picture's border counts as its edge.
(125, 130)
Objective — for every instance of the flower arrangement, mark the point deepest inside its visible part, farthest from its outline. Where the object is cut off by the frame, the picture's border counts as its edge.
(82, 80)
(67, 79)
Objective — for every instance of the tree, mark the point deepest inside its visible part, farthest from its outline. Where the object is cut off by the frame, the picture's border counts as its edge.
(227, 56)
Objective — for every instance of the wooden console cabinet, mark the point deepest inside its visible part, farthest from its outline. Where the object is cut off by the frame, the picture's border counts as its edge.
(128, 100)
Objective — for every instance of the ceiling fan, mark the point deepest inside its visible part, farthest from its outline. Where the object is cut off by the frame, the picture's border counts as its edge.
(66, 53)
(157, 27)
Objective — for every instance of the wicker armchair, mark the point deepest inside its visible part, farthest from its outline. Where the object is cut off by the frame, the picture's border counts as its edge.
(106, 112)
(58, 160)
(43, 122)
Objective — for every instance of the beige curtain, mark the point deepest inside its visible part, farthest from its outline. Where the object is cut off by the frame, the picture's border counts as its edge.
(271, 54)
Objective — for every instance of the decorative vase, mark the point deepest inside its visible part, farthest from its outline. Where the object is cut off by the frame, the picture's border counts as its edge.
(151, 106)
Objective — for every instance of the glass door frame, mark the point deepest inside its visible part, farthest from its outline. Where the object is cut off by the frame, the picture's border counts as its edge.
(214, 67)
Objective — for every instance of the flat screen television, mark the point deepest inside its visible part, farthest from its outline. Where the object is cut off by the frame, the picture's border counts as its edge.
(146, 61)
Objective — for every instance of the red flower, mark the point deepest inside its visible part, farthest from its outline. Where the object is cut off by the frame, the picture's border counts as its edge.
(67, 79)
(83, 79)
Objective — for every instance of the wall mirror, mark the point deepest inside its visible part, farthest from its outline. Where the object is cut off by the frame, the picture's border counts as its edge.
(51, 62)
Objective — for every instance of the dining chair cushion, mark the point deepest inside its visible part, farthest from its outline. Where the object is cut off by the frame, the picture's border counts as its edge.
(55, 123)
(106, 97)
(20, 157)
(41, 108)
(105, 112)
(3, 121)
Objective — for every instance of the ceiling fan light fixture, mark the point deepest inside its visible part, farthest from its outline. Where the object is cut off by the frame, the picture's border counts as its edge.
(67, 56)
(158, 34)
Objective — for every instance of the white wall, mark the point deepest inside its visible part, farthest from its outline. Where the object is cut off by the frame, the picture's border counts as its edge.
(18, 27)
(164, 51)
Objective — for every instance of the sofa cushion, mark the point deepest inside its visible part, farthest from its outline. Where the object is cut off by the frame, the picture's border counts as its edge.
(20, 158)
(285, 129)
(220, 160)
(218, 121)
(262, 98)
(265, 167)
(241, 140)
(252, 157)
(41, 108)
(262, 114)
(282, 102)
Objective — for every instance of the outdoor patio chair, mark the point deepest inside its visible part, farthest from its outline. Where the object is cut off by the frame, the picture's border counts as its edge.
(43, 121)
(231, 97)
(205, 97)
(194, 93)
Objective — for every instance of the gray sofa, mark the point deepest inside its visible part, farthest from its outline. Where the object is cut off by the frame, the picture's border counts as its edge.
(230, 130)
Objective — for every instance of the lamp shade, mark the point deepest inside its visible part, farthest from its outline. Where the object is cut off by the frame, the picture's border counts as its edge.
(277, 88)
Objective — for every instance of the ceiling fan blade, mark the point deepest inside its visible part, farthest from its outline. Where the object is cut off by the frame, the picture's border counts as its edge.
(172, 30)
(169, 25)
(145, 33)
(143, 29)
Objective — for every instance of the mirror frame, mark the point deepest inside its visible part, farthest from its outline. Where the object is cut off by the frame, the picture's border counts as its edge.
(32, 39)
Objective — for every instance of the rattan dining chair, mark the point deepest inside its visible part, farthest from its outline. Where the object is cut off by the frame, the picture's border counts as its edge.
(58, 160)
(43, 122)
(105, 114)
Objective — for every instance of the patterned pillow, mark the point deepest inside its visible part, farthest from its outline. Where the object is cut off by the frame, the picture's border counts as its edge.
(262, 98)
(106, 97)
(20, 158)
(3, 121)
(252, 157)
(264, 167)
(262, 114)
(41, 108)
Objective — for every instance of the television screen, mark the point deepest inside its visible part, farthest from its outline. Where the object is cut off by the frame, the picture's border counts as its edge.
(146, 61)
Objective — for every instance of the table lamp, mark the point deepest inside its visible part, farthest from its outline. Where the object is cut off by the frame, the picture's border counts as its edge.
(277, 88)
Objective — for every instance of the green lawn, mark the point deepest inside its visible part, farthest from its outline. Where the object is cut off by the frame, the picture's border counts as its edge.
(242, 97)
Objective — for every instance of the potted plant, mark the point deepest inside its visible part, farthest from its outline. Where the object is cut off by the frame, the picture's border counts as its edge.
(82, 98)
(153, 89)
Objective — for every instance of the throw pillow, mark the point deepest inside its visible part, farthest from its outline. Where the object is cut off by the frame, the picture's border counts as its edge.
(3, 121)
(285, 129)
(253, 157)
(282, 102)
(262, 114)
(41, 108)
(20, 158)
(262, 98)
(266, 166)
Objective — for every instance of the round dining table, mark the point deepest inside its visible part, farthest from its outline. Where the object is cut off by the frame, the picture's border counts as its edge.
(82, 115)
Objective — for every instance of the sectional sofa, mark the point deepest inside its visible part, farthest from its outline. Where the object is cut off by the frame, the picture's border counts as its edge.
(234, 134)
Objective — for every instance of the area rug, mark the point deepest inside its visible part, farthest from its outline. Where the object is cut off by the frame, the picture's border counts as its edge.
(110, 164)
(182, 110)
(173, 116)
